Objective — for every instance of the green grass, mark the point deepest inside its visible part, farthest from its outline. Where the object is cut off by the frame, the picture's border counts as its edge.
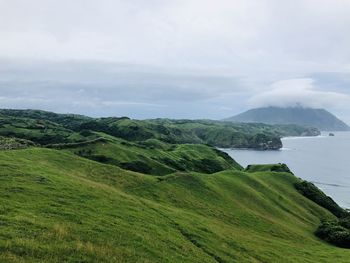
(39, 131)
(58, 207)
(184, 202)
(50, 128)
(155, 157)
(253, 168)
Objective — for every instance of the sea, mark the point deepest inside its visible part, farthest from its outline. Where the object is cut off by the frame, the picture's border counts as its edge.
(323, 160)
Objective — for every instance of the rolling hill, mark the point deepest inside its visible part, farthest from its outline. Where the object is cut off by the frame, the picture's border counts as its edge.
(79, 189)
(47, 128)
(319, 118)
(58, 207)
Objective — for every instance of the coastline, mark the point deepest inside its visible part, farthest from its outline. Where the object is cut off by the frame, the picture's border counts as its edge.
(319, 159)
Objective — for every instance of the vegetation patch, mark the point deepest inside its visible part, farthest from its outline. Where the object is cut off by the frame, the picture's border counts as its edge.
(315, 194)
(335, 231)
(47, 128)
(281, 167)
(14, 143)
(137, 166)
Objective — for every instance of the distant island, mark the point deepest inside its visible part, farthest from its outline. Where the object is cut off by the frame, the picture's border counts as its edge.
(318, 118)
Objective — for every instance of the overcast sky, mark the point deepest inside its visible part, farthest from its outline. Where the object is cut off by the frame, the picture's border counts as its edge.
(176, 58)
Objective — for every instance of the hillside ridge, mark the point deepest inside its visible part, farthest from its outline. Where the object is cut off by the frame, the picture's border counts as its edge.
(45, 128)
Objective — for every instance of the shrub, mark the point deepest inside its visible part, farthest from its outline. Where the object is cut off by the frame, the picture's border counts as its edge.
(99, 158)
(137, 166)
(85, 133)
(310, 191)
(335, 233)
(224, 155)
(178, 165)
(281, 168)
(207, 166)
(345, 222)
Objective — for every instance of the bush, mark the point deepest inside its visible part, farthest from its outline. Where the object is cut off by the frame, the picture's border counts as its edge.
(345, 222)
(224, 155)
(85, 133)
(281, 168)
(208, 166)
(336, 232)
(333, 232)
(137, 166)
(310, 191)
(100, 158)
(180, 166)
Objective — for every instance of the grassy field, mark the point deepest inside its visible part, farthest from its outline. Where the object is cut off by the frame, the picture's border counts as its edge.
(56, 206)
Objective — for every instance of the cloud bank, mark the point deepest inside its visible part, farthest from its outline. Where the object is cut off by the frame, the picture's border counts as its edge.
(114, 89)
(236, 35)
(298, 92)
(180, 58)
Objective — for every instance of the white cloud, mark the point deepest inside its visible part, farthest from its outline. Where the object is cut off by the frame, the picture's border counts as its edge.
(173, 53)
(243, 36)
(299, 92)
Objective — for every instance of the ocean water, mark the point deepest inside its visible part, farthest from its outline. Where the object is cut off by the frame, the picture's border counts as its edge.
(323, 160)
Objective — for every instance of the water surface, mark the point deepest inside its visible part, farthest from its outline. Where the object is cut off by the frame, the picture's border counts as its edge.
(323, 160)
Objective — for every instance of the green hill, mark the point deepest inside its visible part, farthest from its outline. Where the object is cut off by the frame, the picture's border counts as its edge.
(58, 207)
(155, 157)
(319, 118)
(45, 128)
(79, 189)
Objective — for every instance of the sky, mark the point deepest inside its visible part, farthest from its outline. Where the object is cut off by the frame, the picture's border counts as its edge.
(174, 59)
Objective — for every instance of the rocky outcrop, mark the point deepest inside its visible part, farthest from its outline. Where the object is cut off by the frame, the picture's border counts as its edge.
(311, 132)
(14, 143)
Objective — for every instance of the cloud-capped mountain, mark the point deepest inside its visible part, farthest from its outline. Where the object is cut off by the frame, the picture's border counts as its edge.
(318, 118)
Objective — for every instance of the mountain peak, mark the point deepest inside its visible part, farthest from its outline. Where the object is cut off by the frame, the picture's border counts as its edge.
(318, 118)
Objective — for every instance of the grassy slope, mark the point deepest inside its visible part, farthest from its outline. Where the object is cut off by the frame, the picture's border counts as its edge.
(50, 128)
(56, 206)
(39, 131)
(160, 157)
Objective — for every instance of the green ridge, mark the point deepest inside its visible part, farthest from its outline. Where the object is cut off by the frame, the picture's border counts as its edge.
(50, 128)
(56, 207)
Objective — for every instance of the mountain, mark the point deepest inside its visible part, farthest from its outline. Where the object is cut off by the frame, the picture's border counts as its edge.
(318, 118)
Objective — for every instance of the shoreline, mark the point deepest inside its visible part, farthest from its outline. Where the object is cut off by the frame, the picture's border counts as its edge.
(309, 159)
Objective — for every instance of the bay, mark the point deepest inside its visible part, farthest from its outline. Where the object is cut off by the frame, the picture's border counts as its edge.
(323, 160)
